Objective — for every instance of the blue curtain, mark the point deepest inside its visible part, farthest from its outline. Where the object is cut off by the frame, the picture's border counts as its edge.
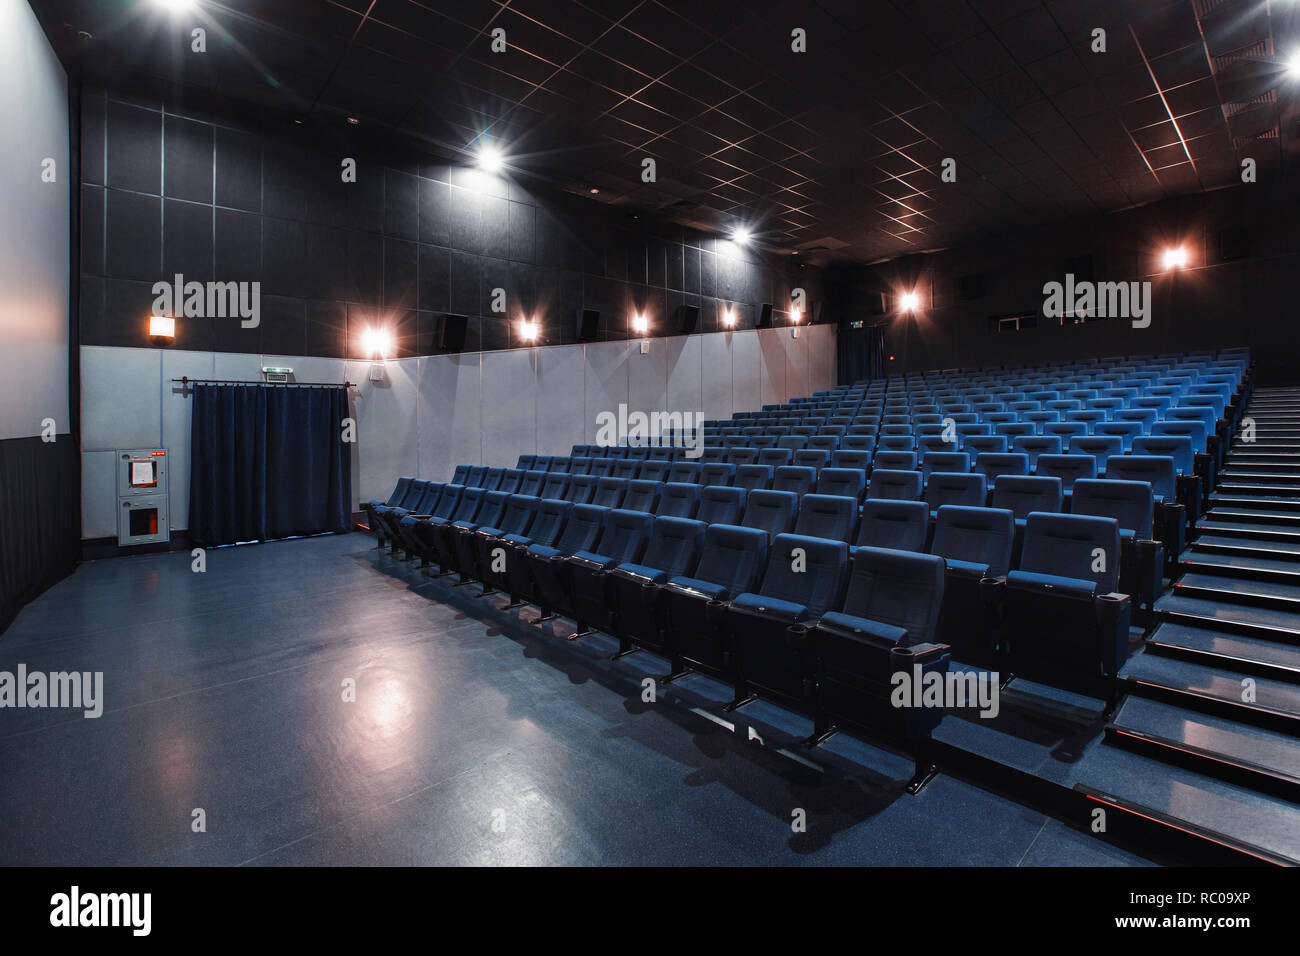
(268, 462)
(860, 353)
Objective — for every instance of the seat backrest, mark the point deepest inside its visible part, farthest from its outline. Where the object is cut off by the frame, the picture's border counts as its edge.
(743, 455)
(947, 461)
(674, 545)
(623, 467)
(642, 496)
(894, 483)
(720, 504)
(770, 511)
(582, 530)
(459, 475)
(1024, 494)
(477, 474)
(776, 457)
(976, 535)
(796, 478)
(895, 460)
(1124, 430)
(519, 513)
(1177, 447)
(1069, 468)
(429, 499)
(733, 557)
(609, 492)
(1128, 502)
(991, 465)
(554, 485)
(1035, 445)
(685, 472)
(845, 482)
(900, 588)
(954, 488)
(579, 464)
(492, 508)
(548, 523)
(468, 505)
(525, 462)
(559, 463)
(678, 500)
(531, 483)
(653, 469)
(753, 477)
(602, 467)
(415, 491)
(447, 501)
(1099, 447)
(582, 489)
(896, 443)
(827, 516)
(851, 458)
(624, 535)
(1192, 413)
(893, 523)
(717, 473)
(510, 478)
(980, 444)
(818, 583)
(1195, 430)
(814, 458)
(1159, 471)
(1066, 545)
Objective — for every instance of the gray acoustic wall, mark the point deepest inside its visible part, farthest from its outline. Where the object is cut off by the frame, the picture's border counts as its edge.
(433, 412)
(33, 228)
(38, 477)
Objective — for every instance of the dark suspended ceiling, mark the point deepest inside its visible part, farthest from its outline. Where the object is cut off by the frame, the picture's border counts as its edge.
(836, 151)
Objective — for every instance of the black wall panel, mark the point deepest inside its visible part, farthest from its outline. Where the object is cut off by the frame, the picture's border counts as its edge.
(40, 518)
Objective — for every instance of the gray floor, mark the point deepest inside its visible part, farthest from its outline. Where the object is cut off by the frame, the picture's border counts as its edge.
(475, 737)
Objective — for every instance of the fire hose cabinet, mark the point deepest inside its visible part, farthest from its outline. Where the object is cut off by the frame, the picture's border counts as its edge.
(142, 496)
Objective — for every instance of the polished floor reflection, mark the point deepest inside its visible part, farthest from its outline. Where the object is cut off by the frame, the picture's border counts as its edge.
(321, 703)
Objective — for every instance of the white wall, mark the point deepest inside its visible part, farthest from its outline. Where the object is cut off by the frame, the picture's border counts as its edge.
(33, 228)
(432, 413)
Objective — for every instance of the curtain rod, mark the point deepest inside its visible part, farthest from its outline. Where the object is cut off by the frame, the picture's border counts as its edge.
(186, 380)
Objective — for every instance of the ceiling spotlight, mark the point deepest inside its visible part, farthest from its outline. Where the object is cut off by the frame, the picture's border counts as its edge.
(908, 301)
(353, 121)
(1175, 258)
(593, 190)
(742, 235)
(174, 6)
(489, 158)
(1293, 65)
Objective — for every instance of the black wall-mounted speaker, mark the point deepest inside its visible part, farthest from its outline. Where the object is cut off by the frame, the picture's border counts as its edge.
(970, 287)
(875, 303)
(765, 316)
(688, 317)
(588, 323)
(451, 334)
(1234, 244)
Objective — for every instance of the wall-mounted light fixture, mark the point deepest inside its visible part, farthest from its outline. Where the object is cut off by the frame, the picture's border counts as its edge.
(741, 235)
(1175, 258)
(162, 329)
(529, 330)
(796, 315)
(490, 159)
(908, 302)
(729, 318)
(375, 345)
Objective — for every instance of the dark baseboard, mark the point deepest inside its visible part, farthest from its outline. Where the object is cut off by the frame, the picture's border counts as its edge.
(95, 548)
